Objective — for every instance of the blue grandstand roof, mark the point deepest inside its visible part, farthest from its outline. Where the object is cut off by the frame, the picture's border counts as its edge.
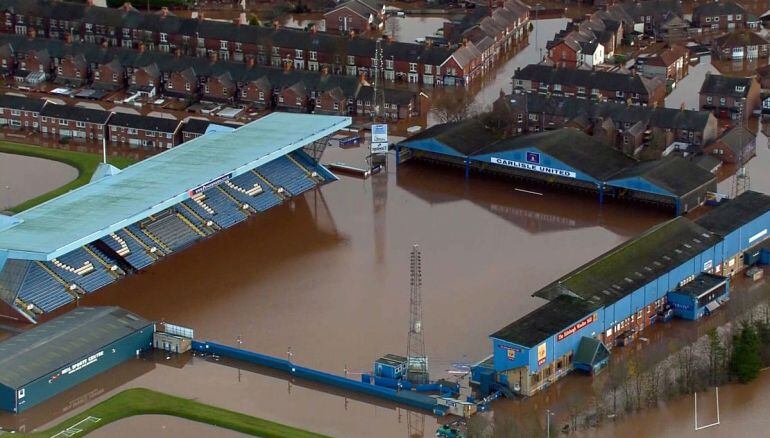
(81, 216)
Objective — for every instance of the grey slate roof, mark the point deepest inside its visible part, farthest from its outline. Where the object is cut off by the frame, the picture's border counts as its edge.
(714, 8)
(571, 146)
(543, 322)
(630, 266)
(21, 103)
(62, 340)
(701, 284)
(144, 122)
(725, 85)
(675, 174)
(570, 107)
(735, 213)
(737, 138)
(583, 78)
(76, 113)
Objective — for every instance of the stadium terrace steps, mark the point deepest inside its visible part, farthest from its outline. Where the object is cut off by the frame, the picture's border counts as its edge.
(173, 231)
(43, 290)
(137, 255)
(282, 172)
(203, 225)
(227, 213)
(96, 276)
(138, 233)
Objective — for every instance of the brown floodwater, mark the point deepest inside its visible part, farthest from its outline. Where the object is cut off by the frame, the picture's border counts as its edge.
(327, 275)
(23, 178)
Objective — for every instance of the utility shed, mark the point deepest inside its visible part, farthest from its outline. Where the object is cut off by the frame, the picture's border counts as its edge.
(700, 296)
(591, 356)
(59, 354)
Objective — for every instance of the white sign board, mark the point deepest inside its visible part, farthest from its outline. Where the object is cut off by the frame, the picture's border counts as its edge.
(379, 133)
(533, 167)
(379, 148)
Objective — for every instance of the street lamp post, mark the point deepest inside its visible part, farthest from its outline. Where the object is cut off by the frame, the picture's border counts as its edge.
(548, 415)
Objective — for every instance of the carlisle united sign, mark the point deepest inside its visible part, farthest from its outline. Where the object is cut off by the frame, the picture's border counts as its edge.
(533, 164)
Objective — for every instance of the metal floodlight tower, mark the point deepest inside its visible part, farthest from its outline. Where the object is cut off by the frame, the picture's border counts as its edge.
(379, 90)
(741, 180)
(417, 362)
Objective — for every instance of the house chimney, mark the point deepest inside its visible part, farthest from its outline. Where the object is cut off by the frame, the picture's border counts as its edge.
(164, 12)
(243, 19)
(276, 24)
(90, 2)
(126, 6)
(68, 38)
(141, 48)
(177, 52)
(213, 56)
(105, 44)
(324, 70)
(287, 65)
(313, 28)
(32, 32)
(250, 62)
(200, 16)
(352, 34)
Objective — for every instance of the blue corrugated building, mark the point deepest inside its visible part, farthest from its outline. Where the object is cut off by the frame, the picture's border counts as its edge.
(681, 262)
(566, 157)
(65, 351)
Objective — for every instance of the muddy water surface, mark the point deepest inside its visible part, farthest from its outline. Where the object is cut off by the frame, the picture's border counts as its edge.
(23, 178)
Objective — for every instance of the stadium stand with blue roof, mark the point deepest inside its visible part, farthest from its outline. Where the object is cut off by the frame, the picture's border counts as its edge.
(79, 242)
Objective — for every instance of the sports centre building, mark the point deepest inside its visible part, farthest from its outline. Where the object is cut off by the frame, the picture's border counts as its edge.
(566, 157)
(67, 350)
(681, 267)
(125, 220)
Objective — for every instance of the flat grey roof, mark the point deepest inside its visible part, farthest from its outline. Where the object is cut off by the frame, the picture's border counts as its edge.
(90, 212)
(61, 341)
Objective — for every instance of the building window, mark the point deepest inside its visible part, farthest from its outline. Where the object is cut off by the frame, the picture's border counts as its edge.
(389, 64)
(223, 45)
(716, 19)
(351, 60)
(276, 51)
(313, 56)
(708, 19)
(619, 94)
(722, 100)
(709, 100)
(163, 37)
(187, 86)
(297, 53)
(261, 95)
(428, 69)
(80, 124)
(738, 17)
(412, 67)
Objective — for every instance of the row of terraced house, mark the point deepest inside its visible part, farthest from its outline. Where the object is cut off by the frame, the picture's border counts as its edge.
(33, 62)
(276, 47)
(76, 123)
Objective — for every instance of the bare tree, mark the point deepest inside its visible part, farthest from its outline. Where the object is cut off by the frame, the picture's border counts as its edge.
(453, 105)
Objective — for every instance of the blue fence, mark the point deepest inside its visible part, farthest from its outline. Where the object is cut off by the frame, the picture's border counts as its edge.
(408, 398)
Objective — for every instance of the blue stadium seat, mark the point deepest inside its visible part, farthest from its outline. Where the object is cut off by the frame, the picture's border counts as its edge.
(137, 231)
(172, 231)
(97, 278)
(282, 172)
(138, 257)
(43, 290)
(226, 212)
(260, 202)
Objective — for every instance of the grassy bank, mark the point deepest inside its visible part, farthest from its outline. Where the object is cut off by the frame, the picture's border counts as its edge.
(141, 401)
(85, 163)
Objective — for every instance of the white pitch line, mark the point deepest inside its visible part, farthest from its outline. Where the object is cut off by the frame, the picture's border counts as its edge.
(527, 191)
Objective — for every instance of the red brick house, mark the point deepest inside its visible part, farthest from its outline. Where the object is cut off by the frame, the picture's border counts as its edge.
(564, 53)
(258, 92)
(145, 79)
(719, 16)
(143, 131)
(332, 101)
(735, 144)
(182, 83)
(728, 96)
(355, 16)
(293, 98)
(219, 88)
(109, 76)
(64, 121)
(71, 70)
(18, 112)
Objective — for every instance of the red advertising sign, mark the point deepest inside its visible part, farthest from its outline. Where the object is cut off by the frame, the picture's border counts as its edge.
(576, 327)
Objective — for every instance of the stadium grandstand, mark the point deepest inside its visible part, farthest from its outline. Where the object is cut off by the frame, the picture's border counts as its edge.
(79, 242)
